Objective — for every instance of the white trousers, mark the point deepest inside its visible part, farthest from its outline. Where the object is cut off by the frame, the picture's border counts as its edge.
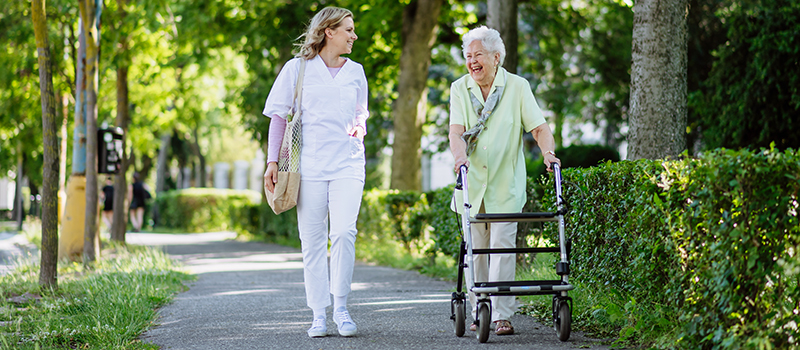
(318, 203)
(495, 267)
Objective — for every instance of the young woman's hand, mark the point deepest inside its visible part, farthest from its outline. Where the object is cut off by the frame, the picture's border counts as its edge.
(271, 176)
(358, 131)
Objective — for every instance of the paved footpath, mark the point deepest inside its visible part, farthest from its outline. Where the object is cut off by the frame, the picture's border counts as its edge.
(13, 249)
(250, 295)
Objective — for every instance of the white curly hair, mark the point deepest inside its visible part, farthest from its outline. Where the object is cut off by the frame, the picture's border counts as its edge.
(489, 38)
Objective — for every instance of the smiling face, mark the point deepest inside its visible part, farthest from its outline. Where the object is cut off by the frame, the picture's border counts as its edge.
(481, 64)
(342, 37)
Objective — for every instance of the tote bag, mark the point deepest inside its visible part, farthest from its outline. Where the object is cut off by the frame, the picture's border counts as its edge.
(288, 186)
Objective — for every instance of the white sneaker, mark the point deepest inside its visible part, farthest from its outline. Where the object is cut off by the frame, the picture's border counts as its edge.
(318, 328)
(347, 327)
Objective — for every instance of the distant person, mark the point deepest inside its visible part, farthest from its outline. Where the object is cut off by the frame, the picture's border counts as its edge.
(490, 111)
(107, 196)
(334, 114)
(137, 196)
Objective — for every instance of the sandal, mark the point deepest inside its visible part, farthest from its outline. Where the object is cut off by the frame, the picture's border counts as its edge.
(503, 327)
(473, 327)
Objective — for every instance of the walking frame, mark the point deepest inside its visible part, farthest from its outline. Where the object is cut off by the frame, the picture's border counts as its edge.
(562, 303)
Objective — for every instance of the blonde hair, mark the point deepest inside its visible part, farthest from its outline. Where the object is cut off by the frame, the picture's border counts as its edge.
(329, 17)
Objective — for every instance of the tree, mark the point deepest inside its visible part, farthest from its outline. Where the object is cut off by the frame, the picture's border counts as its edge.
(48, 274)
(658, 79)
(419, 25)
(91, 28)
(123, 116)
(502, 16)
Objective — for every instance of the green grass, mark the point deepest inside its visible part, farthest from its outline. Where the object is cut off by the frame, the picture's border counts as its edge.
(105, 308)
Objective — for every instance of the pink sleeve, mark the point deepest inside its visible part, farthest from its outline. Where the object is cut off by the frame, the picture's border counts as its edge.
(277, 126)
(361, 120)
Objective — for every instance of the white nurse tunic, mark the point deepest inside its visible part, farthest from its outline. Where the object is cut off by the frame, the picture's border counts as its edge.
(331, 108)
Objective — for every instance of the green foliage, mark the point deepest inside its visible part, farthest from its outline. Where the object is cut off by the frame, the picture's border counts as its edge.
(204, 209)
(699, 251)
(445, 222)
(107, 308)
(751, 97)
(733, 220)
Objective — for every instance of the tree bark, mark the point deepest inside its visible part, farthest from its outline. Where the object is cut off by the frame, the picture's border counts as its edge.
(62, 154)
(502, 16)
(658, 79)
(49, 255)
(202, 159)
(161, 166)
(119, 219)
(19, 202)
(90, 19)
(419, 25)
(161, 169)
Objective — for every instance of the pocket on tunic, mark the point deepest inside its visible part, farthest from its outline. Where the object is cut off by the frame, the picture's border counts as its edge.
(356, 147)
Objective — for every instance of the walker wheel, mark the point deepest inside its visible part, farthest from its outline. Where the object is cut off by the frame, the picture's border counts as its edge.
(484, 321)
(563, 321)
(460, 317)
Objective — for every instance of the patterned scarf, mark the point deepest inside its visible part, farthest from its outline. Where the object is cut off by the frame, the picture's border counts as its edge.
(483, 111)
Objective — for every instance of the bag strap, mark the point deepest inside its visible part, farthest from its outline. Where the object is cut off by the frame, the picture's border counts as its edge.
(297, 99)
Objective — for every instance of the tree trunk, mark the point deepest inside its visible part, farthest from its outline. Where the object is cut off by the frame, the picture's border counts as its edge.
(19, 202)
(119, 222)
(502, 16)
(91, 26)
(161, 166)
(202, 159)
(161, 169)
(62, 154)
(49, 259)
(419, 25)
(658, 79)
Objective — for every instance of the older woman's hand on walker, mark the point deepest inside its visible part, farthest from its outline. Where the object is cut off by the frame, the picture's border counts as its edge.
(271, 176)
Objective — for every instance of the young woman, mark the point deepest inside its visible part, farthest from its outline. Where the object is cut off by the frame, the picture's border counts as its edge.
(334, 114)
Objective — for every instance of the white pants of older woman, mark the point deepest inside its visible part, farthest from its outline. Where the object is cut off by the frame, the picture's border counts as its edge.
(319, 202)
(501, 267)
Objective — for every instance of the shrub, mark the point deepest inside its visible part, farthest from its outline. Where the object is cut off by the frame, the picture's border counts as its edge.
(733, 220)
(698, 251)
(205, 209)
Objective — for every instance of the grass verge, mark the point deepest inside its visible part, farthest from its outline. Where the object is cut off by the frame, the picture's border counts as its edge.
(104, 308)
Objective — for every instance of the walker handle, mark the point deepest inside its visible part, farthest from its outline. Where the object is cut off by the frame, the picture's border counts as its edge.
(461, 170)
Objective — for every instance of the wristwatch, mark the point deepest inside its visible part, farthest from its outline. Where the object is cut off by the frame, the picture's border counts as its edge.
(550, 152)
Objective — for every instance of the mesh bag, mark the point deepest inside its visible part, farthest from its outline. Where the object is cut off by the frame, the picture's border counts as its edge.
(288, 186)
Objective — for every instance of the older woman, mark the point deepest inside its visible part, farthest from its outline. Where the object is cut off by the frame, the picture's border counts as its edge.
(490, 109)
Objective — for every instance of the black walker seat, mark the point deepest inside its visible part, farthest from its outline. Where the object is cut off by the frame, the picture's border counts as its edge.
(562, 303)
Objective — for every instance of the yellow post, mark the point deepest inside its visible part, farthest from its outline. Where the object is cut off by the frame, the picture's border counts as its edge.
(72, 224)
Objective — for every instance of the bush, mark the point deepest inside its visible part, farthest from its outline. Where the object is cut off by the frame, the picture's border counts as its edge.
(733, 219)
(702, 252)
(205, 209)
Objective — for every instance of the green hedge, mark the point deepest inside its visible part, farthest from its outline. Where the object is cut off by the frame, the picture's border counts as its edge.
(711, 241)
(205, 209)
